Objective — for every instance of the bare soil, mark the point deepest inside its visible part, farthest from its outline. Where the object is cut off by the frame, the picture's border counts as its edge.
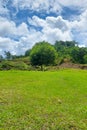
(73, 65)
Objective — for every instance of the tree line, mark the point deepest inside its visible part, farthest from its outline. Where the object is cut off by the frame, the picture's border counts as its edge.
(43, 53)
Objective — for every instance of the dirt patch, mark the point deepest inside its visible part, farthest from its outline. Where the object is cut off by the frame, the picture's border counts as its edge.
(72, 65)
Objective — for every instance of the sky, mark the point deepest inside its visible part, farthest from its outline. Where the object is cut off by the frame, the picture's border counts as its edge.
(26, 22)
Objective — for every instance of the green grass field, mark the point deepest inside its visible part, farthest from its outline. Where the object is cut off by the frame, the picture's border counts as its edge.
(43, 100)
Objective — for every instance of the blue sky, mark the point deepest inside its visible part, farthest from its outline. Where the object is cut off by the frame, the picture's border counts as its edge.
(25, 22)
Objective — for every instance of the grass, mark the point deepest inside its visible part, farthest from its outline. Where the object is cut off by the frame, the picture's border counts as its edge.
(43, 100)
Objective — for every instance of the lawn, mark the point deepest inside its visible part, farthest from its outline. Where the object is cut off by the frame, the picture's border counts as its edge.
(43, 100)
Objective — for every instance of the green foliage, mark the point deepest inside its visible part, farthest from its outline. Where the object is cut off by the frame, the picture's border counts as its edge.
(70, 51)
(22, 59)
(85, 58)
(21, 66)
(1, 58)
(9, 65)
(60, 45)
(78, 55)
(5, 65)
(27, 53)
(43, 54)
(64, 49)
(8, 55)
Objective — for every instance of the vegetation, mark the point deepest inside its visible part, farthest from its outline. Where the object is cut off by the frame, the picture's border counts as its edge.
(70, 51)
(43, 54)
(10, 65)
(35, 100)
(43, 100)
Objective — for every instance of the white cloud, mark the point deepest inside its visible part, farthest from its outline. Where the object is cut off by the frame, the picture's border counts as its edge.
(6, 44)
(56, 28)
(79, 28)
(82, 23)
(22, 30)
(52, 29)
(58, 22)
(38, 5)
(42, 5)
(75, 3)
(25, 37)
(49, 5)
(3, 8)
(36, 21)
(9, 28)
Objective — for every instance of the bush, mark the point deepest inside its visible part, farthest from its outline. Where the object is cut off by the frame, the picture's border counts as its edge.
(8, 65)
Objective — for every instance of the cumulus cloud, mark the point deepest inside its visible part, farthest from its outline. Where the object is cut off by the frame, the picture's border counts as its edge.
(38, 5)
(53, 28)
(18, 38)
(36, 21)
(78, 3)
(56, 28)
(28, 37)
(58, 22)
(79, 28)
(42, 5)
(8, 28)
(49, 6)
(6, 44)
(82, 22)
(17, 47)
(3, 9)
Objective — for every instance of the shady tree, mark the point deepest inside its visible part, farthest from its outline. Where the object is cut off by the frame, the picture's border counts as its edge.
(42, 53)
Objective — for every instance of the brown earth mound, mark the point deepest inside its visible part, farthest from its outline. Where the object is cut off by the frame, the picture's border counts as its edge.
(72, 65)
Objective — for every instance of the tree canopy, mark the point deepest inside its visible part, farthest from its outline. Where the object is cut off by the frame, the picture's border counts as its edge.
(43, 53)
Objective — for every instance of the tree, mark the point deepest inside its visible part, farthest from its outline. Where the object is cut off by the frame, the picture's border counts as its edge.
(64, 49)
(85, 59)
(62, 45)
(27, 52)
(78, 54)
(1, 58)
(42, 54)
(8, 55)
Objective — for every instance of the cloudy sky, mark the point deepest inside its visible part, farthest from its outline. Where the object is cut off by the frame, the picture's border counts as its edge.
(25, 22)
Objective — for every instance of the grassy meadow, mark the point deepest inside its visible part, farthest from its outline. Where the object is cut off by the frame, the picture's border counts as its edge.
(35, 100)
